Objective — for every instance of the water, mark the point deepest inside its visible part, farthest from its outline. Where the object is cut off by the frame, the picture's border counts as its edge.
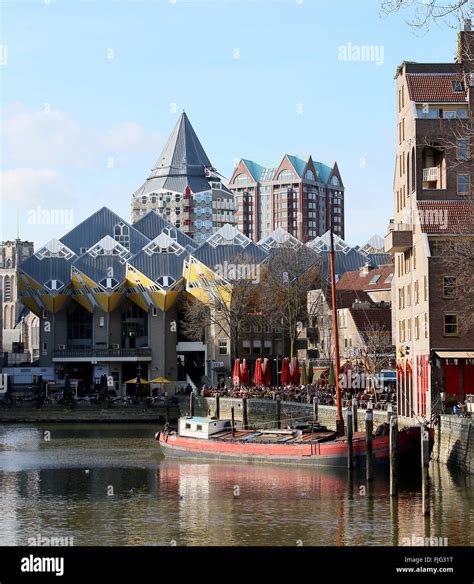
(108, 484)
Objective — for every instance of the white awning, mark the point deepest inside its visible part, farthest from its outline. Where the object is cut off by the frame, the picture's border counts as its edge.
(455, 354)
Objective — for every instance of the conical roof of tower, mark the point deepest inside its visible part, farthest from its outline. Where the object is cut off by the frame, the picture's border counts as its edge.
(182, 163)
(183, 153)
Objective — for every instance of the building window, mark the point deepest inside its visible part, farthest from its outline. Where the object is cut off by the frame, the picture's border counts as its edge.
(417, 327)
(417, 292)
(286, 176)
(462, 148)
(449, 287)
(7, 290)
(458, 85)
(246, 347)
(426, 325)
(451, 325)
(198, 428)
(401, 298)
(242, 178)
(409, 295)
(223, 347)
(409, 328)
(463, 184)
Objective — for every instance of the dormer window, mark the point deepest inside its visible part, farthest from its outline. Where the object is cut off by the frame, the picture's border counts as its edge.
(122, 234)
(54, 285)
(165, 281)
(108, 283)
(458, 85)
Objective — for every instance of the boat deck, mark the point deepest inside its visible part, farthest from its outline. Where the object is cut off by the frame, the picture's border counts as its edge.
(258, 437)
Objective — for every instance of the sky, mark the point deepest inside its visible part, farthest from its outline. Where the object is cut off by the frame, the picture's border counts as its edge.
(91, 90)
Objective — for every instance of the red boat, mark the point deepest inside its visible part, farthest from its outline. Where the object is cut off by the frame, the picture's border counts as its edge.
(213, 439)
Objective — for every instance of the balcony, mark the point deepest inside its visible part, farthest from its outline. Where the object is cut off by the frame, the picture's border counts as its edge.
(102, 354)
(399, 238)
(430, 174)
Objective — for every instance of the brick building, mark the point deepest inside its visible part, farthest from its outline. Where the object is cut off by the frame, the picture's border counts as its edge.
(299, 195)
(433, 215)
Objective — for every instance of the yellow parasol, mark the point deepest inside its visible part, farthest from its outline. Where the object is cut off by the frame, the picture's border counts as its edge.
(160, 380)
(141, 380)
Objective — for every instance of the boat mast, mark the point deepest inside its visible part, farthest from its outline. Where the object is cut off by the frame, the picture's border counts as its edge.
(339, 418)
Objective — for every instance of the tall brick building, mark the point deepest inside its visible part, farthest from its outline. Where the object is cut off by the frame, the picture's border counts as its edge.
(432, 330)
(299, 195)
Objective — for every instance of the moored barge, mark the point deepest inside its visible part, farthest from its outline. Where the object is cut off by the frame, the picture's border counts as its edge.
(215, 439)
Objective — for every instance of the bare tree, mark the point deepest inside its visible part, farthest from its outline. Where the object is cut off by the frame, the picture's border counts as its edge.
(225, 309)
(288, 279)
(424, 13)
(377, 349)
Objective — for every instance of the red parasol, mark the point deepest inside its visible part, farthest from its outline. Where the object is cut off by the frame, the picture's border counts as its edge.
(236, 372)
(285, 372)
(245, 373)
(267, 373)
(258, 373)
(296, 371)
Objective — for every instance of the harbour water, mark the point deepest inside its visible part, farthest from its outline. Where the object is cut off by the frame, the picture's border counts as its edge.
(108, 484)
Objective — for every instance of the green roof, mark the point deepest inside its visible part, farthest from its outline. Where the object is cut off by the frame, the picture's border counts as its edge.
(254, 168)
(298, 163)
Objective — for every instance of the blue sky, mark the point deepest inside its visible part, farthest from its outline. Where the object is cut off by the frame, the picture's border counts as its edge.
(92, 89)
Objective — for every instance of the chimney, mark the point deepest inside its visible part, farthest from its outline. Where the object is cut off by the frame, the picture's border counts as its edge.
(364, 270)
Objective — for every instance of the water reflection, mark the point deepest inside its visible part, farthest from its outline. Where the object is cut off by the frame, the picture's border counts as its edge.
(109, 485)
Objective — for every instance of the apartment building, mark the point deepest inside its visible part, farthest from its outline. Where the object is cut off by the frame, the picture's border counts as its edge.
(299, 195)
(433, 213)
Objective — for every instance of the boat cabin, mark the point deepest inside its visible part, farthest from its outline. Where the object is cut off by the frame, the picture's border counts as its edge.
(197, 427)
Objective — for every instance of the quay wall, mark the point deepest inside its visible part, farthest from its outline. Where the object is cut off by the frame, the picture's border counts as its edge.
(454, 443)
(87, 414)
(264, 412)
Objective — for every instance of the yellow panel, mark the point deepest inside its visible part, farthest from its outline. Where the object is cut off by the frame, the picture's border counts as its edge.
(139, 300)
(84, 302)
(198, 273)
(170, 299)
(32, 305)
(60, 301)
(158, 299)
(135, 277)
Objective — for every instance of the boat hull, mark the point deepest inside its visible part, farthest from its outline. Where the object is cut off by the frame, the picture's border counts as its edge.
(334, 453)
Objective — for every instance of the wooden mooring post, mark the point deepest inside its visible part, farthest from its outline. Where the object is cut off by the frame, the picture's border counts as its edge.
(191, 404)
(245, 417)
(393, 455)
(278, 412)
(315, 408)
(355, 420)
(232, 416)
(425, 475)
(217, 410)
(369, 428)
(350, 444)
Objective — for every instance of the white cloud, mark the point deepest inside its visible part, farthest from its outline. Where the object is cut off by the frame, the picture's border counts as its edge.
(24, 187)
(54, 139)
